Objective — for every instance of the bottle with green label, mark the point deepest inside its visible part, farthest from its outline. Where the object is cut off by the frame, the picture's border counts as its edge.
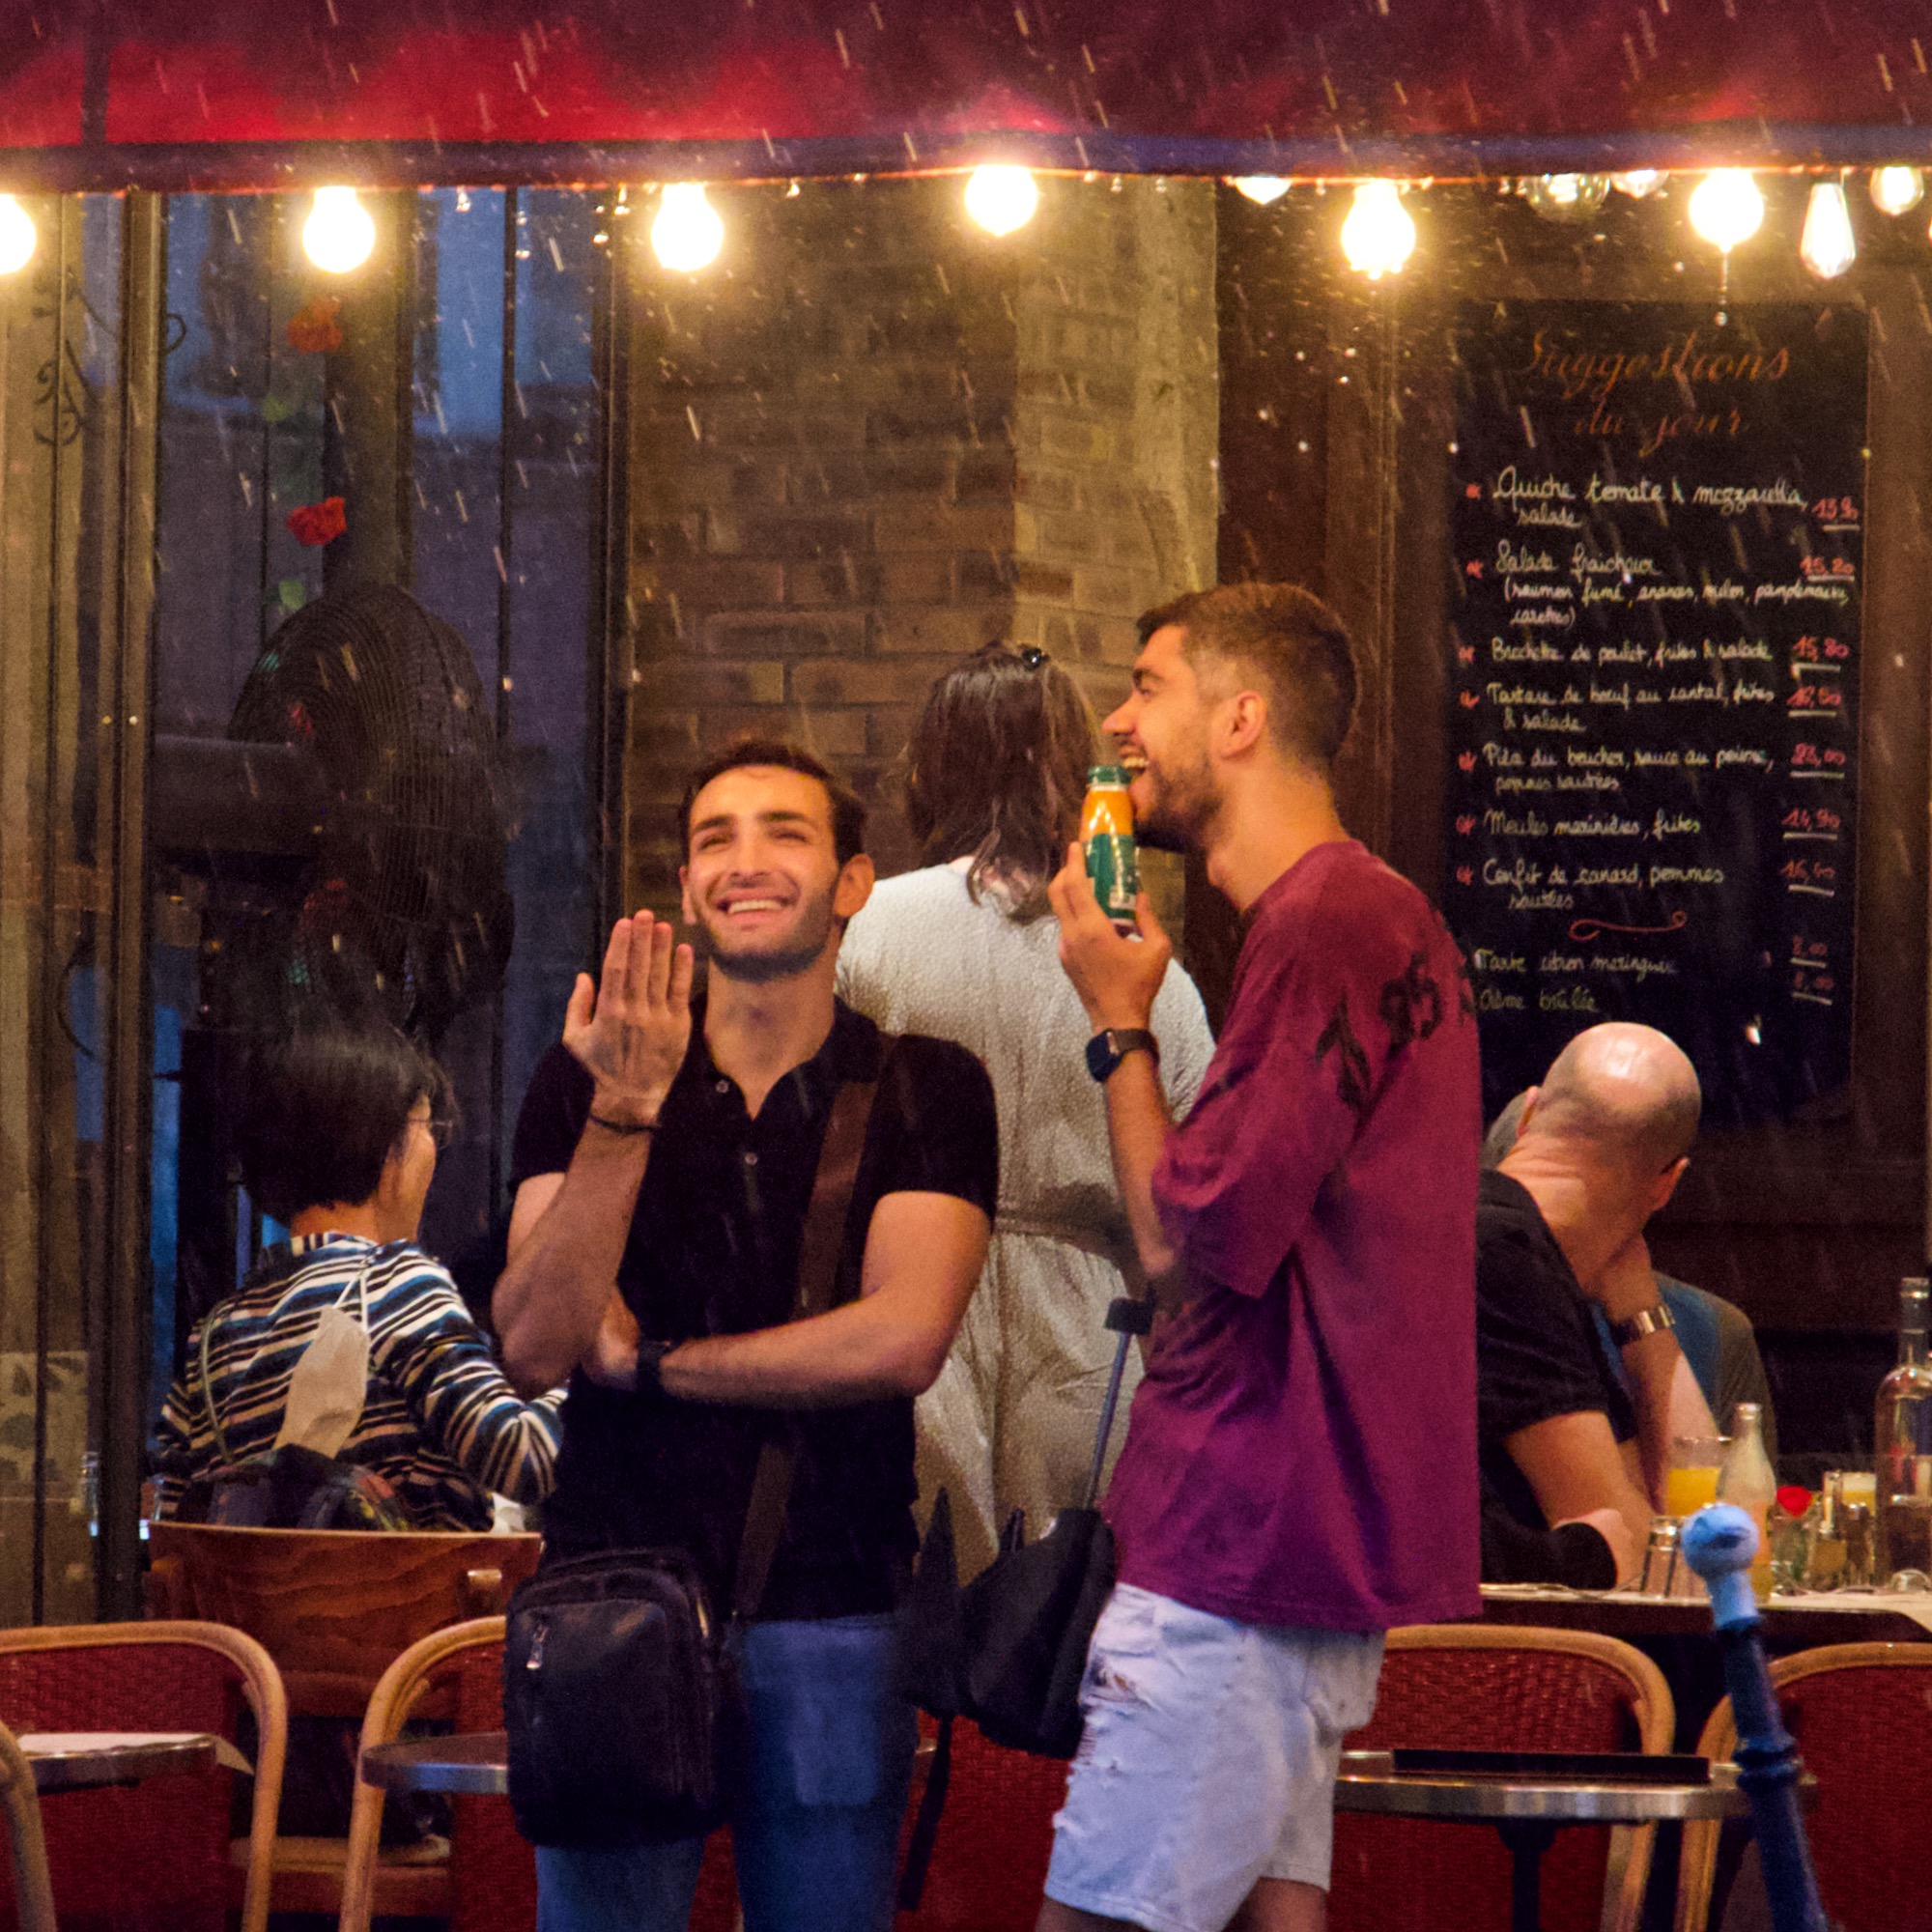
(1107, 835)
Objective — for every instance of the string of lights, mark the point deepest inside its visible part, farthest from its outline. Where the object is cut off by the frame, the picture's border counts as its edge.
(1377, 235)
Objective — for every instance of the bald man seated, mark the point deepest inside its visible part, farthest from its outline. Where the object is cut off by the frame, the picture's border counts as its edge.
(1566, 1443)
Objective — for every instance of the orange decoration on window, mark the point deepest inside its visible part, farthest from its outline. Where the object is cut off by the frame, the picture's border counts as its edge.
(314, 329)
(317, 523)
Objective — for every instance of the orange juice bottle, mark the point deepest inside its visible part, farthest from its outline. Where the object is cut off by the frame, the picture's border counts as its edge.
(1107, 835)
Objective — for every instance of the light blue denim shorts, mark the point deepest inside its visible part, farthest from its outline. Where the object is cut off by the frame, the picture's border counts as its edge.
(1208, 1761)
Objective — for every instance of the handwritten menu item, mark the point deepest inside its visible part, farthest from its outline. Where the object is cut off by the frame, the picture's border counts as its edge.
(1653, 686)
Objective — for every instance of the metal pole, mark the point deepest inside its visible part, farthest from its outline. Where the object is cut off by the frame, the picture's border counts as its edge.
(127, 1131)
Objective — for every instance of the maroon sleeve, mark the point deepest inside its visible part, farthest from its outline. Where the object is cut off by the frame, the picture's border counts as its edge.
(1319, 1012)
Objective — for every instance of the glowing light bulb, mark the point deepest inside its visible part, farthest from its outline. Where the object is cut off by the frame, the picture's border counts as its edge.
(1726, 208)
(1636, 182)
(1001, 198)
(1567, 197)
(1827, 248)
(1893, 191)
(338, 235)
(1380, 233)
(17, 235)
(1264, 188)
(687, 231)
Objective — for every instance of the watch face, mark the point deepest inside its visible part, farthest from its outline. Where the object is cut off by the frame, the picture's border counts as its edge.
(1102, 1059)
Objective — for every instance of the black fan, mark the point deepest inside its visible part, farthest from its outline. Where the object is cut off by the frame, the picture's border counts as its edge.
(349, 836)
(363, 865)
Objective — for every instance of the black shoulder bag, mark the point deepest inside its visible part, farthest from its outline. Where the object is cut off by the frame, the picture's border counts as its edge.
(623, 1708)
(1009, 1650)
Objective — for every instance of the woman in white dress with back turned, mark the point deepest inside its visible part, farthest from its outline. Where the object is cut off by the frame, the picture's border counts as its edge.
(966, 950)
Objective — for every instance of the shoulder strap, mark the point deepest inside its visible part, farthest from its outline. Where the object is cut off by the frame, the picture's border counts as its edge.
(1127, 1316)
(820, 1248)
(207, 1389)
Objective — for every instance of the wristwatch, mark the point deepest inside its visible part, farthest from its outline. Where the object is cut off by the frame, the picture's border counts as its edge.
(1651, 1321)
(650, 1365)
(1112, 1045)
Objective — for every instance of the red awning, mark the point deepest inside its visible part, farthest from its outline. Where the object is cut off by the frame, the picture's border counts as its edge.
(255, 92)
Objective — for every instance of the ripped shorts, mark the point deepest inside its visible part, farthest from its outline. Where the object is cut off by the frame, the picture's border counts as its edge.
(1208, 1761)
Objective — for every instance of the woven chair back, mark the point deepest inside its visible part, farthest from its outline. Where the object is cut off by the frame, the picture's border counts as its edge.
(132, 1856)
(1428, 1875)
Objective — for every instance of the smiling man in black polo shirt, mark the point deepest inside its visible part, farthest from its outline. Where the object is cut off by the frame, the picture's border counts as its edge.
(664, 1161)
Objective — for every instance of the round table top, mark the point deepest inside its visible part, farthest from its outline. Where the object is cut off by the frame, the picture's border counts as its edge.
(78, 1761)
(473, 1764)
(1369, 1782)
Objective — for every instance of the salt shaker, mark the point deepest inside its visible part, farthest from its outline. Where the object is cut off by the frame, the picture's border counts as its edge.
(1825, 1560)
(1860, 1549)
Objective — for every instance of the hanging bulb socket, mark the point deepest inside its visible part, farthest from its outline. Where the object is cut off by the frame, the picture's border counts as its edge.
(339, 235)
(1829, 247)
(687, 231)
(1001, 198)
(18, 235)
(1896, 190)
(1727, 208)
(1378, 235)
(1566, 197)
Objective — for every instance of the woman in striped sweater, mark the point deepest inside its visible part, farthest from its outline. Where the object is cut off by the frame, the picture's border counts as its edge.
(338, 1141)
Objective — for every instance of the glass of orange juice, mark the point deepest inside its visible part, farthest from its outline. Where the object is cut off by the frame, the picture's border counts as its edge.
(1691, 1480)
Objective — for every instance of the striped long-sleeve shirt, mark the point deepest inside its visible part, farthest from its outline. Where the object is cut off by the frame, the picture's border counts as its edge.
(439, 1423)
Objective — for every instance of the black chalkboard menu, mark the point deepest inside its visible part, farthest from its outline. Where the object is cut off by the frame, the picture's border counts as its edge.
(1652, 692)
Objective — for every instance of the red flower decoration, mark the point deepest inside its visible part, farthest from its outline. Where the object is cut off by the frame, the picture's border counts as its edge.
(316, 524)
(313, 329)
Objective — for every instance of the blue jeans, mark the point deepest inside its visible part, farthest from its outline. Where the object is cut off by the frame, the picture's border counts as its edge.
(815, 1832)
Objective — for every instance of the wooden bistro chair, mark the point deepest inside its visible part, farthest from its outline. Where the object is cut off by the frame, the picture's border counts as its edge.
(33, 1888)
(1861, 1714)
(1488, 1687)
(492, 1871)
(335, 1609)
(157, 1852)
(492, 1874)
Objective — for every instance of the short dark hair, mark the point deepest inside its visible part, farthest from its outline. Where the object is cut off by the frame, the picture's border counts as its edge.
(321, 1111)
(997, 768)
(1291, 640)
(848, 808)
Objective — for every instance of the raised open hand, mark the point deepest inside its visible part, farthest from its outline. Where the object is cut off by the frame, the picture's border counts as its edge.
(630, 1028)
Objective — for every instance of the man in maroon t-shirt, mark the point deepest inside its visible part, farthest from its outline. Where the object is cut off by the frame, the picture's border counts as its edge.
(1299, 1471)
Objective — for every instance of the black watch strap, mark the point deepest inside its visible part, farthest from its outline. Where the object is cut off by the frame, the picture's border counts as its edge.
(1112, 1045)
(650, 1364)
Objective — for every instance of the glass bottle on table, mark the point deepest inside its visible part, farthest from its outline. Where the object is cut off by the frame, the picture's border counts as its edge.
(1903, 1442)
(1825, 1561)
(1749, 1481)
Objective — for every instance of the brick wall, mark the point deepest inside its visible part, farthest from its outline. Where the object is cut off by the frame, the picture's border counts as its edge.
(871, 439)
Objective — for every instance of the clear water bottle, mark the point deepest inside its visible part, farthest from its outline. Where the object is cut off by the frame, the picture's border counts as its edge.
(1903, 1442)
